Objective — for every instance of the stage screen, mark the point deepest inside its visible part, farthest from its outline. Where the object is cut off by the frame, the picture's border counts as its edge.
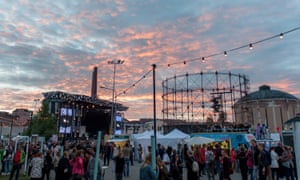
(66, 112)
(65, 130)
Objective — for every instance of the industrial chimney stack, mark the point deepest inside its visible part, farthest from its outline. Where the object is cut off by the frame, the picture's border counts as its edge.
(94, 83)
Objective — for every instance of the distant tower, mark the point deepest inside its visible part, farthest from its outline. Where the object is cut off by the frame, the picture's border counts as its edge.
(94, 83)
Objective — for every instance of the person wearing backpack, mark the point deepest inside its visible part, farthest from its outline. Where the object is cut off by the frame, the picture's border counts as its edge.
(209, 160)
(17, 163)
(191, 174)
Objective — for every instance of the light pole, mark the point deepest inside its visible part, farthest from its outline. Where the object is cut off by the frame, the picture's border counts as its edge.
(112, 107)
(112, 125)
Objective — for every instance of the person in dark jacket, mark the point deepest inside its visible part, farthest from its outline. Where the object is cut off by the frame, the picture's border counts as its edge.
(163, 173)
(262, 167)
(106, 154)
(63, 168)
(120, 163)
(227, 169)
(91, 157)
(191, 175)
(47, 165)
(243, 163)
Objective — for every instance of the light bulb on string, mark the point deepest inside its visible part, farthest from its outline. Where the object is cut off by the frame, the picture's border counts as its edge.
(225, 53)
(281, 36)
(203, 59)
(250, 46)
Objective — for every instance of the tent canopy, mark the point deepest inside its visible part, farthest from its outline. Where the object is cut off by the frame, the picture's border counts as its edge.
(199, 140)
(175, 133)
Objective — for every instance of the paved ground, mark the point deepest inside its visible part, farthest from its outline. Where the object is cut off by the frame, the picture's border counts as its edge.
(134, 173)
(109, 175)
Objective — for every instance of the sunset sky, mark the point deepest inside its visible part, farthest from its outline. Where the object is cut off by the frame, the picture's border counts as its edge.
(54, 45)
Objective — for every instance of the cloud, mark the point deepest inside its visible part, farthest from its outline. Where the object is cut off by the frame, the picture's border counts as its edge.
(54, 45)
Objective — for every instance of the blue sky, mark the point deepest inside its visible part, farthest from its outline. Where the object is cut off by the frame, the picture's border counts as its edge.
(54, 45)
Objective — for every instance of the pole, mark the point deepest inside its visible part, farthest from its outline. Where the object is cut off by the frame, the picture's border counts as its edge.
(11, 126)
(296, 133)
(154, 111)
(97, 156)
(153, 153)
(113, 102)
(26, 156)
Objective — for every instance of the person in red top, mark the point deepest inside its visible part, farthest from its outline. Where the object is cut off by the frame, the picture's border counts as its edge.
(16, 164)
(232, 157)
(197, 157)
(77, 166)
(203, 159)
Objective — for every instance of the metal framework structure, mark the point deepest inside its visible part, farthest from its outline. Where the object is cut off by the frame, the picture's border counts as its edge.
(190, 97)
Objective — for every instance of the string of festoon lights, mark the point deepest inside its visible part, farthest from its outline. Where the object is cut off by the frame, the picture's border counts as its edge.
(204, 58)
(134, 84)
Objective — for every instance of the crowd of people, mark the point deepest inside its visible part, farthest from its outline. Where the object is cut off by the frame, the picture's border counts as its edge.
(77, 161)
(254, 162)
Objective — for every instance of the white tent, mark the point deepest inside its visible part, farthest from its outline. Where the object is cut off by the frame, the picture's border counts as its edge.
(177, 134)
(172, 139)
(199, 140)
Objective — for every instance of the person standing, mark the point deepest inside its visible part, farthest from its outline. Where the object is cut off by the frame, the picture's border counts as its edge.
(227, 169)
(36, 164)
(91, 166)
(126, 152)
(243, 163)
(262, 167)
(146, 170)
(218, 157)
(63, 168)
(163, 173)
(279, 150)
(250, 163)
(6, 160)
(120, 163)
(191, 175)
(274, 163)
(56, 161)
(140, 153)
(47, 165)
(115, 153)
(131, 154)
(255, 152)
(77, 166)
(258, 131)
(17, 162)
(176, 167)
(106, 153)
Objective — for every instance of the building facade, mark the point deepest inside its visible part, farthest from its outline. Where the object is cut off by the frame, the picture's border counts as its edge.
(266, 106)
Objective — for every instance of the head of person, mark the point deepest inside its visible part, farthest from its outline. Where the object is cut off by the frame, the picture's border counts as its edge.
(190, 153)
(242, 149)
(159, 162)
(148, 159)
(261, 146)
(253, 142)
(225, 153)
(66, 154)
(121, 154)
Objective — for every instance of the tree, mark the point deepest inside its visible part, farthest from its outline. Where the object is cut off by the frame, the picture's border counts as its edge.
(44, 123)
